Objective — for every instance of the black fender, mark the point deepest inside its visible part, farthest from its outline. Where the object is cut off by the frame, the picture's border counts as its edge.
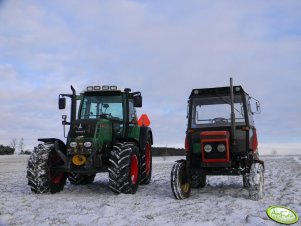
(144, 132)
(61, 144)
(59, 147)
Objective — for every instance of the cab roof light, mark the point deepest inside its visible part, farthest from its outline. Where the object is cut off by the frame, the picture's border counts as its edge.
(113, 87)
(97, 88)
(90, 88)
(105, 88)
(102, 88)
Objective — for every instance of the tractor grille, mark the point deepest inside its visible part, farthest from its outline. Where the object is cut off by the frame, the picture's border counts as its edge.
(213, 139)
(215, 154)
(82, 127)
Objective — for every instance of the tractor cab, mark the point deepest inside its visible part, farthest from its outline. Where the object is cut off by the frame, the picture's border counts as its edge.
(221, 138)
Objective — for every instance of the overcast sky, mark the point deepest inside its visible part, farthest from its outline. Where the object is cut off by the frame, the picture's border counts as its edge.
(161, 48)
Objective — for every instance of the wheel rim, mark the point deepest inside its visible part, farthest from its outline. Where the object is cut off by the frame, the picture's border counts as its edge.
(185, 187)
(183, 182)
(148, 159)
(56, 179)
(134, 169)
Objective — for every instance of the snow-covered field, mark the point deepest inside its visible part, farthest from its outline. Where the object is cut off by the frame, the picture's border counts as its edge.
(222, 202)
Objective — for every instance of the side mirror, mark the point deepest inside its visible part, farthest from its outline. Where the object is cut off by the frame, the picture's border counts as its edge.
(138, 101)
(62, 103)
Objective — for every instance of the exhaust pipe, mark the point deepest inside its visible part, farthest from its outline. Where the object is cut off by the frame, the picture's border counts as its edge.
(233, 128)
(73, 105)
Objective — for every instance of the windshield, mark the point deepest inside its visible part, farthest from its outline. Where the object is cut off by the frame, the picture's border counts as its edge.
(216, 111)
(101, 106)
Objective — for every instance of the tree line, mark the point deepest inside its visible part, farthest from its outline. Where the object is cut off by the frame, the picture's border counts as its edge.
(13, 147)
(20, 146)
(167, 151)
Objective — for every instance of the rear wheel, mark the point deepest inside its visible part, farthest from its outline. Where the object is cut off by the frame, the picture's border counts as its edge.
(80, 179)
(180, 184)
(41, 173)
(198, 180)
(124, 168)
(256, 181)
(245, 179)
(146, 163)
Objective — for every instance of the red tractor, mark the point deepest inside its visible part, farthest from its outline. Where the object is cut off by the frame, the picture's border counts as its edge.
(220, 139)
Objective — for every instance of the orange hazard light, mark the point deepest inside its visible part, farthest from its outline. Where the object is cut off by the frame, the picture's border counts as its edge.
(144, 120)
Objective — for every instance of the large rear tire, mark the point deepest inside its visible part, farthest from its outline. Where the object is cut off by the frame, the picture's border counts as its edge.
(180, 184)
(80, 179)
(41, 175)
(124, 168)
(146, 162)
(256, 181)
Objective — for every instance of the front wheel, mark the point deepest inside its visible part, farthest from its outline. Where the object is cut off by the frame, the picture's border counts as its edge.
(124, 168)
(198, 180)
(180, 184)
(79, 179)
(42, 174)
(256, 181)
(246, 180)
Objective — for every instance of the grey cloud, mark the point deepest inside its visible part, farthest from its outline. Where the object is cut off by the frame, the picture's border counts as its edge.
(163, 50)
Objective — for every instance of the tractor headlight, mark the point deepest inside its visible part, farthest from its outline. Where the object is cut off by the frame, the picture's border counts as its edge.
(221, 147)
(87, 144)
(207, 148)
(73, 144)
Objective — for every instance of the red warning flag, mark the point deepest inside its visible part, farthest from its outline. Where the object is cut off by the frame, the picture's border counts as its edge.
(144, 120)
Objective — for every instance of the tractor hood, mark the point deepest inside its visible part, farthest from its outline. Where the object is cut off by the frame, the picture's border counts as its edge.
(83, 127)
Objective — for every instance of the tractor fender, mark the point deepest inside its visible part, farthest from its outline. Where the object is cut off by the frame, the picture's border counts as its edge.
(144, 132)
(181, 160)
(59, 147)
(52, 141)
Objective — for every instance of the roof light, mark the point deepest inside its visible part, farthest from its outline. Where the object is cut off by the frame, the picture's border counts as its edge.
(105, 87)
(90, 88)
(97, 88)
(102, 88)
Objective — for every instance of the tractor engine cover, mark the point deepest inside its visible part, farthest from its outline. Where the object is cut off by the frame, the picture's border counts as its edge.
(215, 147)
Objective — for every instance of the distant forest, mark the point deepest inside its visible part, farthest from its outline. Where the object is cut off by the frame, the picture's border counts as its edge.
(165, 151)
(156, 151)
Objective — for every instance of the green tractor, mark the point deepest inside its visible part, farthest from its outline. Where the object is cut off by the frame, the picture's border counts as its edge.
(221, 139)
(105, 136)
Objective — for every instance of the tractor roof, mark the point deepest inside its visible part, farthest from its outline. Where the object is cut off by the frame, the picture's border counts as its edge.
(216, 91)
(107, 90)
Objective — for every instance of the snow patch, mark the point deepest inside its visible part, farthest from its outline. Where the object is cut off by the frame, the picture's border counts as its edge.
(297, 159)
(223, 201)
(254, 221)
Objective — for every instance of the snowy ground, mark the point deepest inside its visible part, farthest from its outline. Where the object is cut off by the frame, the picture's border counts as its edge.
(222, 202)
